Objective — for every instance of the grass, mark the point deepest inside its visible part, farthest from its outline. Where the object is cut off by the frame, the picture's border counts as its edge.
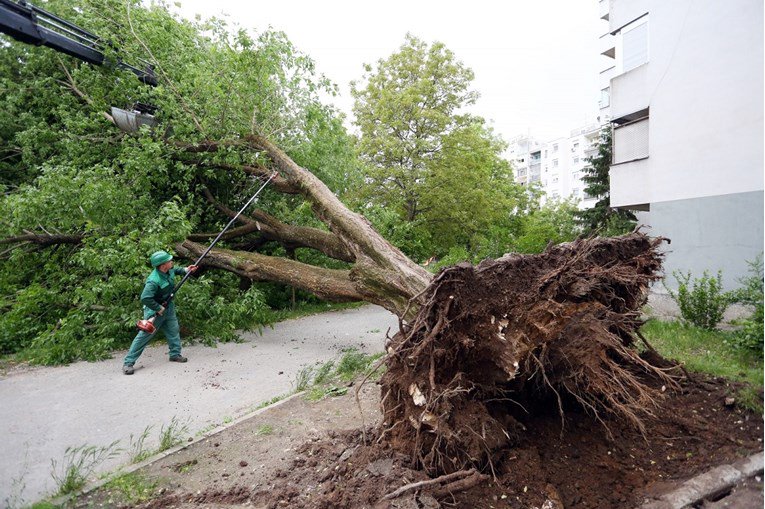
(331, 379)
(273, 400)
(171, 435)
(138, 452)
(710, 352)
(132, 488)
(264, 430)
(78, 463)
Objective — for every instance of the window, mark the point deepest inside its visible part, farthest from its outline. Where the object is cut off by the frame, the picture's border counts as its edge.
(605, 97)
(576, 146)
(522, 172)
(631, 141)
(555, 147)
(575, 192)
(635, 44)
(555, 163)
(555, 180)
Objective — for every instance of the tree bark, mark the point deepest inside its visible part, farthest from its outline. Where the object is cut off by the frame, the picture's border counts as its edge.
(380, 274)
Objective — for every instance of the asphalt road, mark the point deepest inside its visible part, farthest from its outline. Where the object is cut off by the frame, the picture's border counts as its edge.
(45, 410)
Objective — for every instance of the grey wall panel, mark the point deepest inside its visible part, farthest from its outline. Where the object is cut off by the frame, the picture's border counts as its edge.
(713, 233)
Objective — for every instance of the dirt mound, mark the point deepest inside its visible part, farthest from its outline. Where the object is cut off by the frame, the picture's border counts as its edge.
(580, 465)
(496, 341)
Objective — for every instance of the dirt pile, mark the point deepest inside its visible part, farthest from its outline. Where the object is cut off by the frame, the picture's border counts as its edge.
(497, 341)
(581, 466)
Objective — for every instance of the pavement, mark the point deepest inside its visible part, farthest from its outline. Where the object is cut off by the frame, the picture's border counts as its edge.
(43, 411)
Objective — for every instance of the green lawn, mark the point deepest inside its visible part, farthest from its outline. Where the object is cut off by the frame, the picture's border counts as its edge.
(709, 352)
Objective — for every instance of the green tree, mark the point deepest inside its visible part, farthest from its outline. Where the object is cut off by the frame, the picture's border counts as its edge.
(437, 167)
(84, 203)
(602, 218)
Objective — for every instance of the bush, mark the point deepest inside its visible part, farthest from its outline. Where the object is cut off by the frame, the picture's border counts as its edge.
(702, 302)
(750, 336)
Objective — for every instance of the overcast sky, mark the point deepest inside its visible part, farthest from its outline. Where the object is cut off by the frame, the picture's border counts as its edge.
(535, 61)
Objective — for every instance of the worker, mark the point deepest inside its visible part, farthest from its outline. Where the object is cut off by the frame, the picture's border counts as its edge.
(159, 286)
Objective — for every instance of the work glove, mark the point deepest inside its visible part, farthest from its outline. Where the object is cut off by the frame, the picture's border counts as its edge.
(192, 268)
(161, 310)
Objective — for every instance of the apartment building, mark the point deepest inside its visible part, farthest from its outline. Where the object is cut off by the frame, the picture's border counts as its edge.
(686, 104)
(556, 164)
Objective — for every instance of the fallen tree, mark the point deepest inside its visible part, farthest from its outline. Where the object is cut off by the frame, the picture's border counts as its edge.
(478, 344)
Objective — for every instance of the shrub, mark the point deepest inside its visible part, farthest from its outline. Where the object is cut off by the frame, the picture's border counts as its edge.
(702, 301)
(750, 335)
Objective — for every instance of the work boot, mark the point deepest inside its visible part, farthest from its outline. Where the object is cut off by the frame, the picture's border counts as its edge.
(128, 369)
(178, 358)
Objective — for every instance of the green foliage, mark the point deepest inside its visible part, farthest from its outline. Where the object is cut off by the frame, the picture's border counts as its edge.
(137, 450)
(434, 177)
(65, 169)
(172, 434)
(750, 334)
(702, 301)
(601, 218)
(264, 430)
(78, 463)
(132, 488)
(712, 352)
(553, 222)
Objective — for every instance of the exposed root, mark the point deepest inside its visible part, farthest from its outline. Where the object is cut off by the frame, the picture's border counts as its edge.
(496, 341)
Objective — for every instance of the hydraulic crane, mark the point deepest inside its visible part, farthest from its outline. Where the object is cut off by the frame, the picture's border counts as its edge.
(31, 24)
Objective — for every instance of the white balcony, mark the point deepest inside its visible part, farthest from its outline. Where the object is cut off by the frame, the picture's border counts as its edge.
(629, 92)
(607, 45)
(630, 185)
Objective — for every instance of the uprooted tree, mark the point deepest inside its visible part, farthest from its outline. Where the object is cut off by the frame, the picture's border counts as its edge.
(477, 344)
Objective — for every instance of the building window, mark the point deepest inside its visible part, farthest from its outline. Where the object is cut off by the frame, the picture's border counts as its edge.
(555, 147)
(576, 146)
(555, 180)
(605, 97)
(630, 141)
(576, 160)
(522, 172)
(555, 163)
(635, 44)
(575, 192)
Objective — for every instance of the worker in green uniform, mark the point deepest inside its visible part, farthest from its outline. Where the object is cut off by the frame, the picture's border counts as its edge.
(159, 286)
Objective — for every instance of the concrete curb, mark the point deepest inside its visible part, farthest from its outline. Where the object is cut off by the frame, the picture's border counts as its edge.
(64, 499)
(718, 480)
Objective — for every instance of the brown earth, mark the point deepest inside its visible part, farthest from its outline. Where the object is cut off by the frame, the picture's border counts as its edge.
(293, 456)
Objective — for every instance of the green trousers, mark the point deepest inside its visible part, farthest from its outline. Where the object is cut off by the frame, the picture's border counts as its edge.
(167, 324)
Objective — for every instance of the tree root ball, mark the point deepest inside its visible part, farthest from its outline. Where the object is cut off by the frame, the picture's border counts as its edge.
(496, 342)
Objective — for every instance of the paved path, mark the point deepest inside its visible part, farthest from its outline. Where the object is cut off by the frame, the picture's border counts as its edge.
(43, 411)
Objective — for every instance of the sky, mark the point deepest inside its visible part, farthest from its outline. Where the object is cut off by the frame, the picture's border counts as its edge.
(536, 62)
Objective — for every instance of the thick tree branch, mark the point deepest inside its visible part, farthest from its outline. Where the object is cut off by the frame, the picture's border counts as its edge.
(293, 236)
(381, 268)
(327, 284)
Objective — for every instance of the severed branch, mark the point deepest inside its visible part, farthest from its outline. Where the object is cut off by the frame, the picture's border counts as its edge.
(294, 236)
(278, 183)
(329, 284)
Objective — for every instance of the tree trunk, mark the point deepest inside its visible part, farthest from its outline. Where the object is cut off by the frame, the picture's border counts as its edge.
(380, 273)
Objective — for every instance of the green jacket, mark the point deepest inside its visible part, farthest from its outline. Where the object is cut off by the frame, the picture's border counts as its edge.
(159, 286)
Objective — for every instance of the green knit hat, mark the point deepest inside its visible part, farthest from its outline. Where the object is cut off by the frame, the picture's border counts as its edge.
(159, 258)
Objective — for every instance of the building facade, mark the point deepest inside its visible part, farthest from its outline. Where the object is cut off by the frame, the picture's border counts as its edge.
(685, 99)
(556, 165)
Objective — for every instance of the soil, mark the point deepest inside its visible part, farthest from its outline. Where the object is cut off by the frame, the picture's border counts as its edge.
(295, 455)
